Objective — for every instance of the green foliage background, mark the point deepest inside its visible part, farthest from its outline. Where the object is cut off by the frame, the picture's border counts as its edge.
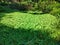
(30, 22)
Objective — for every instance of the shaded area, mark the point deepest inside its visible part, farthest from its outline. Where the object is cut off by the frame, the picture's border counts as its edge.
(1, 15)
(21, 36)
(36, 12)
(4, 10)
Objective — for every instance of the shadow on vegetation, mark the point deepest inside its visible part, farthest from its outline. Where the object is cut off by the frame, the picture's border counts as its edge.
(4, 10)
(38, 13)
(21, 36)
(35, 13)
(1, 15)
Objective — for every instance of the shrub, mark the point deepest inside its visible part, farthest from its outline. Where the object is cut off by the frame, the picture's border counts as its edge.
(55, 12)
(14, 6)
(25, 6)
(5, 9)
(46, 6)
(56, 5)
(22, 6)
(2, 9)
(3, 4)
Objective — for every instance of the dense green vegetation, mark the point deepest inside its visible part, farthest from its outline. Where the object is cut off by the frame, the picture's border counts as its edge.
(29, 22)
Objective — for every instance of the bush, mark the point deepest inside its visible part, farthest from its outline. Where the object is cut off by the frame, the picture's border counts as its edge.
(47, 6)
(14, 6)
(21, 6)
(5, 9)
(2, 9)
(56, 5)
(25, 6)
(3, 4)
(55, 12)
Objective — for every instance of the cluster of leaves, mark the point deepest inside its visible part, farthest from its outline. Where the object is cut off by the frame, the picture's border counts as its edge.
(56, 12)
(29, 21)
(45, 6)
